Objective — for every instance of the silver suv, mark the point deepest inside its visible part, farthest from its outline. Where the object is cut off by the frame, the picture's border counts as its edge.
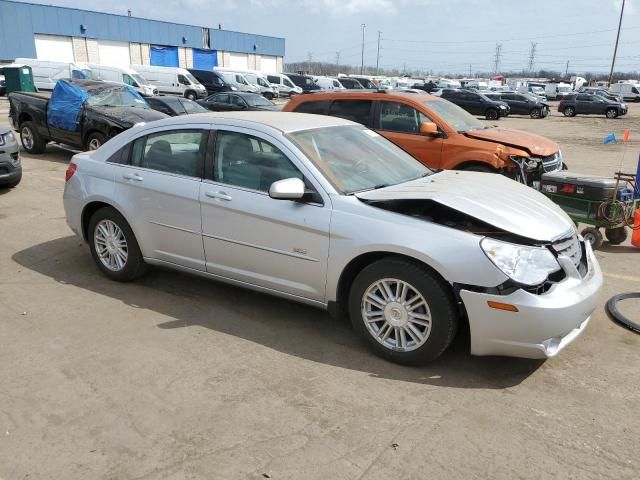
(324, 211)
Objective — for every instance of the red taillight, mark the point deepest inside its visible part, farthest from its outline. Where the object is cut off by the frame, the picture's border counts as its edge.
(71, 169)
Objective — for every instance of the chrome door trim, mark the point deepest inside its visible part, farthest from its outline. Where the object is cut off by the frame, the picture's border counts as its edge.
(175, 228)
(260, 247)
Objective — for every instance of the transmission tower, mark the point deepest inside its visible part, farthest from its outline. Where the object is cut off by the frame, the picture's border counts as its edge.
(496, 60)
(532, 56)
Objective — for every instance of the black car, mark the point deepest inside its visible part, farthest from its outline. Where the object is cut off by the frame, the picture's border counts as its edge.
(174, 106)
(602, 93)
(476, 103)
(80, 113)
(228, 102)
(364, 81)
(212, 81)
(305, 82)
(351, 83)
(586, 104)
(522, 103)
(428, 87)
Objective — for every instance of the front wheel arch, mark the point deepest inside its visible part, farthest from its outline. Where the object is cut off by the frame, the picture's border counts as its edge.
(470, 164)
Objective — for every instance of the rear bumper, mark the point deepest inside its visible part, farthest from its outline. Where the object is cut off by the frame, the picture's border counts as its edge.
(544, 324)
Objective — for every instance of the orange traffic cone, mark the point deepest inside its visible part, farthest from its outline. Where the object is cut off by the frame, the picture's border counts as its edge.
(635, 238)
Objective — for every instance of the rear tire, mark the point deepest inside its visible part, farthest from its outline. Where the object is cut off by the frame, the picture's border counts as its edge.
(616, 235)
(114, 247)
(416, 312)
(612, 113)
(31, 140)
(491, 114)
(569, 112)
(94, 141)
(593, 236)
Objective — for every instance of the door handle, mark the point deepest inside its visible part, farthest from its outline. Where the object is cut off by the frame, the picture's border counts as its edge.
(218, 195)
(132, 176)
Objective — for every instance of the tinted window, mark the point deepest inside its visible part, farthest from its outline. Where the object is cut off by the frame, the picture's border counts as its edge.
(273, 79)
(204, 76)
(634, 90)
(319, 108)
(191, 107)
(250, 162)
(236, 100)
(176, 151)
(398, 117)
(126, 78)
(354, 110)
(508, 96)
(121, 156)
(218, 98)
(585, 98)
(160, 106)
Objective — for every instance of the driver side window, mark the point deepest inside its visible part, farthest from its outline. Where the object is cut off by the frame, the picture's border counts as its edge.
(398, 117)
(249, 162)
(182, 80)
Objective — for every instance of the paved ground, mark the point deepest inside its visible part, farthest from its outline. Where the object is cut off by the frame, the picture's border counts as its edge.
(175, 377)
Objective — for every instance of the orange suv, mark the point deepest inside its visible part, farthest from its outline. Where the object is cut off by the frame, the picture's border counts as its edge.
(438, 133)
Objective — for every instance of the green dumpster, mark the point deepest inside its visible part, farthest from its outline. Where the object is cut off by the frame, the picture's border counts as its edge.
(18, 79)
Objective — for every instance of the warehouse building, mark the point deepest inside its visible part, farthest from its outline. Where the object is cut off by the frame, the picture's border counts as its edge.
(72, 35)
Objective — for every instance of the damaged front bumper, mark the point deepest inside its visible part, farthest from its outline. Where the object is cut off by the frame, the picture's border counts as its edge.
(544, 323)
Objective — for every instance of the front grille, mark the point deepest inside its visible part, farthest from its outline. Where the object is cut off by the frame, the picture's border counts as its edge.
(569, 247)
(552, 163)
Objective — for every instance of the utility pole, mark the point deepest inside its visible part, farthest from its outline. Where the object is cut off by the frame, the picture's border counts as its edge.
(615, 50)
(532, 56)
(378, 56)
(566, 70)
(362, 58)
(469, 70)
(496, 60)
(309, 59)
(337, 63)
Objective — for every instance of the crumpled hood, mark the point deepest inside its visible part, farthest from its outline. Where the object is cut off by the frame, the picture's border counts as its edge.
(130, 115)
(536, 145)
(491, 198)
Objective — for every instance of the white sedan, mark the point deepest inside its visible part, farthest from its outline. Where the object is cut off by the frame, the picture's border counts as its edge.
(324, 211)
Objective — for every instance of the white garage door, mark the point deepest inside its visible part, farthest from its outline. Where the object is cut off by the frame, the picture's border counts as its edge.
(114, 54)
(268, 64)
(239, 61)
(54, 48)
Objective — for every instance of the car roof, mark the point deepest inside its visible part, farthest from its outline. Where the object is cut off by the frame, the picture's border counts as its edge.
(283, 121)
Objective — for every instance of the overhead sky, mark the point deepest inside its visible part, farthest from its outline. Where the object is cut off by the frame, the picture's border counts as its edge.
(436, 35)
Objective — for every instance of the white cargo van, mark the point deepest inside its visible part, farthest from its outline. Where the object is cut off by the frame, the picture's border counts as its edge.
(173, 80)
(46, 74)
(128, 76)
(328, 83)
(630, 92)
(284, 84)
(557, 91)
(238, 80)
(254, 79)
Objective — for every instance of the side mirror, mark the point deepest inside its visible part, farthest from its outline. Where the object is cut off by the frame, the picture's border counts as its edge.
(287, 189)
(429, 129)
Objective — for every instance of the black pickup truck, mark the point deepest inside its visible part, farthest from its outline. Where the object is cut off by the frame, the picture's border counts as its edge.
(83, 114)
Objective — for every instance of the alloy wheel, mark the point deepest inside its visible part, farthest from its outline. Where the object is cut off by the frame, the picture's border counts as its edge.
(27, 138)
(396, 314)
(111, 245)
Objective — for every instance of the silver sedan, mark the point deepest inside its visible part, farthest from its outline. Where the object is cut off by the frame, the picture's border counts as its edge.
(323, 211)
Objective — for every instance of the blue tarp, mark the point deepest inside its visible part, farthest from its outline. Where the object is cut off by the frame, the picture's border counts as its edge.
(205, 59)
(64, 106)
(164, 56)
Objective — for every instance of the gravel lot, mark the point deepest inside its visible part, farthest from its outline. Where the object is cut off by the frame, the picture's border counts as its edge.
(175, 377)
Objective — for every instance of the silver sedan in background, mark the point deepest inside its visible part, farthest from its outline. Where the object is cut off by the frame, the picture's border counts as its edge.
(10, 165)
(324, 211)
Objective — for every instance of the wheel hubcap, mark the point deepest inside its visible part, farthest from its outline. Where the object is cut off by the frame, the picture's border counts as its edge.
(27, 138)
(94, 144)
(396, 315)
(111, 245)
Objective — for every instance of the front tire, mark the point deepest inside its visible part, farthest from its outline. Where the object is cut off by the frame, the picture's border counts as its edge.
(190, 95)
(405, 312)
(569, 112)
(612, 113)
(31, 140)
(535, 113)
(492, 114)
(114, 247)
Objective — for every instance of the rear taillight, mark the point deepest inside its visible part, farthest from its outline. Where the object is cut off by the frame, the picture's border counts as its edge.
(71, 169)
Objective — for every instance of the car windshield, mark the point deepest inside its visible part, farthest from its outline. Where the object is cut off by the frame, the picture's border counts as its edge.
(530, 96)
(116, 97)
(352, 84)
(139, 78)
(191, 78)
(262, 83)
(455, 116)
(258, 101)
(366, 83)
(355, 159)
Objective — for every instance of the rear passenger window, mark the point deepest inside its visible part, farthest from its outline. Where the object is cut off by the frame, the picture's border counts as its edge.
(121, 156)
(250, 162)
(358, 111)
(176, 151)
(319, 108)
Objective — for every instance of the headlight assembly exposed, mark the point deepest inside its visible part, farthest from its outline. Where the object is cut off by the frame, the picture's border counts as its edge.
(523, 264)
(6, 138)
